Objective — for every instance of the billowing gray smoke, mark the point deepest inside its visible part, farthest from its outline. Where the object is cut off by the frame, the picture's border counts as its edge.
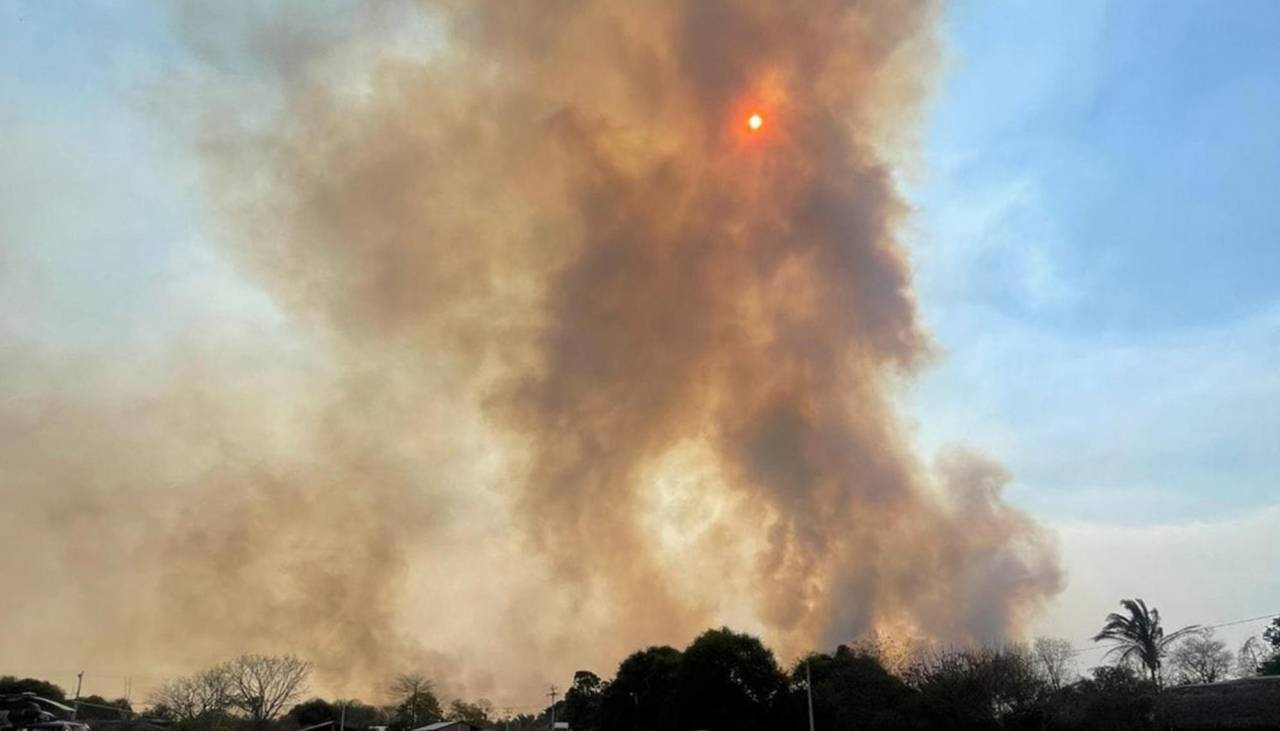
(577, 361)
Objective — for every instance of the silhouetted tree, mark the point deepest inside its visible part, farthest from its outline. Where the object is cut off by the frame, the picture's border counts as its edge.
(583, 700)
(1270, 662)
(261, 686)
(1115, 698)
(977, 688)
(98, 708)
(359, 714)
(1199, 658)
(1054, 660)
(195, 696)
(311, 712)
(727, 681)
(477, 713)
(1139, 636)
(43, 688)
(638, 697)
(851, 690)
(1271, 635)
(414, 700)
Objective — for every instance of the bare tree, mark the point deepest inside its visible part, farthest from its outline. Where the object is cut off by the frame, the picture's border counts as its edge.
(194, 696)
(261, 686)
(1251, 657)
(1054, 660)
(414, 698)
(1199, 658)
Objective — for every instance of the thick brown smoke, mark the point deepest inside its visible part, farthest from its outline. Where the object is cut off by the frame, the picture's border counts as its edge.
(586, 364)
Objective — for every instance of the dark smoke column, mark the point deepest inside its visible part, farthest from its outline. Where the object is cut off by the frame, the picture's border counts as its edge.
(686, 335)
(745, 290)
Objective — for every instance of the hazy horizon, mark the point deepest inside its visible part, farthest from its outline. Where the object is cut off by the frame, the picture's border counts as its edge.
(438, 337)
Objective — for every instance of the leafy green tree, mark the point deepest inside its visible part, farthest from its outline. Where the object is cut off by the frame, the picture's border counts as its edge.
(637, 698)
(1139, 636)
(1271, 635)
(727, 681)
(43, 688)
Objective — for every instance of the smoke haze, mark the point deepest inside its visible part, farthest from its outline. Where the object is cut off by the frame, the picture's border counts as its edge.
(559, 359)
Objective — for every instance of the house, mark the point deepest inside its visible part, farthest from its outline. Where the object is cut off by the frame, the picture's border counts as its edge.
(452, 726)
(1248, 703)
(331, 726)
(129, 724)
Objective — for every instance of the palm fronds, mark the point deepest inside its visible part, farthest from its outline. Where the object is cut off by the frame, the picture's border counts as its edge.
(1139, 635)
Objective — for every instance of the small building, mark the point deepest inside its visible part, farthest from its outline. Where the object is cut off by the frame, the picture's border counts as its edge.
(332, 726)
(452, 726)
(1248, 703)
(130, 724)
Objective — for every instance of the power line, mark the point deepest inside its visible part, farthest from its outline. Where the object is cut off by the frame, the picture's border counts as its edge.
(1232, 623)
(1244, 621)
(127, 677)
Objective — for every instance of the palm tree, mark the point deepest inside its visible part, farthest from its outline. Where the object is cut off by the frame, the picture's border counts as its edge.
(1139, 636)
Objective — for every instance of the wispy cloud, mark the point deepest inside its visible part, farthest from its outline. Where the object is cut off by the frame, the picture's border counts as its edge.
(1195, 572)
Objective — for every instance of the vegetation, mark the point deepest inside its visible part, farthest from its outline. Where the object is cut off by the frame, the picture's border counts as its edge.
(1269, 664)
(730, 680)
(1055, 660)
(414, 701)
(1200, 658)
(1139, 636)
(12, 685)
(478, 713)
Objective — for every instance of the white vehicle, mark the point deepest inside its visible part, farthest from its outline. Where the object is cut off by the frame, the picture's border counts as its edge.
(30, 712)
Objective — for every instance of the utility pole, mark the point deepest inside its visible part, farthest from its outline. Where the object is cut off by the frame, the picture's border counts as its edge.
(553, 708)
(342, 722)
(808, 686)
(79, 679)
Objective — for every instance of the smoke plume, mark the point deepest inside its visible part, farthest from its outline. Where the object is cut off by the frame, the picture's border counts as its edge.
(574, 361)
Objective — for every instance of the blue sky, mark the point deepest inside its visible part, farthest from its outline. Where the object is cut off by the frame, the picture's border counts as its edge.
(1096, 241)
(1096, 247)
(1098, 254)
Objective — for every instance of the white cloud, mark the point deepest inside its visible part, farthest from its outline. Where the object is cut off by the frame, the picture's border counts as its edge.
(1164, 427)
(1199, 572)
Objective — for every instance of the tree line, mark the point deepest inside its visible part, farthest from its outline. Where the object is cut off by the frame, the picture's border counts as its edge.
(732, 681)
